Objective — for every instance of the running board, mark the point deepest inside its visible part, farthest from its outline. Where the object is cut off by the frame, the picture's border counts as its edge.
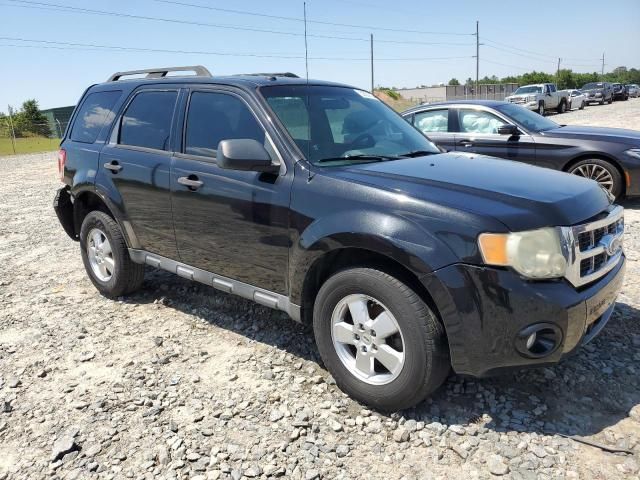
(227, 285)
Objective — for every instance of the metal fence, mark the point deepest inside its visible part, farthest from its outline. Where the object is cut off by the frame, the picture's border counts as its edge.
(14, 141)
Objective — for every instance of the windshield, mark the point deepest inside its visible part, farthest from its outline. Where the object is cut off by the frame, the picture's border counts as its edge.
(529, 89)
(340, 125)
(533, 122)
(591, 86)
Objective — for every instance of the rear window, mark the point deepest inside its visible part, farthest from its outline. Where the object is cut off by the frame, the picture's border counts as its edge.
(147, 120)
(95, 112)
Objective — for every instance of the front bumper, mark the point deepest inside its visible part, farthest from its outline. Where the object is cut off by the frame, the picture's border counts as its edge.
(484, 311)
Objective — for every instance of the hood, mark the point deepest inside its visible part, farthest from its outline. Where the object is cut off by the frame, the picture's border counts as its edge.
(522, 197)
(619, 135)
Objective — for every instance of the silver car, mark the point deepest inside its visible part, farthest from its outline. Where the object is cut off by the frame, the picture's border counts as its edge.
(577, 99)
(634, 90)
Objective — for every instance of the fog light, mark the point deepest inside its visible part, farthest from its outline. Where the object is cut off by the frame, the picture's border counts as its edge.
(538, 340)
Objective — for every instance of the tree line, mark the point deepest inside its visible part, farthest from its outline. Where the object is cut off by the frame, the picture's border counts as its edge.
(26, 122)
(565, 78)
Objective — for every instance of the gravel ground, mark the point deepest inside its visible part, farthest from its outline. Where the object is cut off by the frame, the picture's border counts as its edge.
(182, 381)
(618, 114)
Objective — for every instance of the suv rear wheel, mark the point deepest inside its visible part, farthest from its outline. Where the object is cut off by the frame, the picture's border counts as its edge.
(106, 258)
(379, 340)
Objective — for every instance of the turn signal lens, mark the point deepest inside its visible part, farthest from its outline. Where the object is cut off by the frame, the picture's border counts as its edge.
(493, 247)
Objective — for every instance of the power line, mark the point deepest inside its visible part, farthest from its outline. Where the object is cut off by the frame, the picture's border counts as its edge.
(531, 52)
(295, 19)
(92, 46)
(87, 11)
(542, 60)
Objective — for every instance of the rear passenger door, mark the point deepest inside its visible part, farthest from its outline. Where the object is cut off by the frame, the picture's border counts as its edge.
(232, 223)
(434, 123)
(135, 168)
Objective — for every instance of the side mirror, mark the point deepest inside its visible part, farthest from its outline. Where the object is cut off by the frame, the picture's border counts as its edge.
(244, 154)
(508, 130)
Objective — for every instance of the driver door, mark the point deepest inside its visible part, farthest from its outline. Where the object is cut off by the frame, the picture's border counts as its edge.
(478, 133)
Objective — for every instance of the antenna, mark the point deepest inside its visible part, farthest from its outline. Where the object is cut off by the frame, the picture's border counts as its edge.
(306, 66)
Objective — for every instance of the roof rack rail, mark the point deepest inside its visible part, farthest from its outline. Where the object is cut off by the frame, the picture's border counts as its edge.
(199, 70)
(283, 74)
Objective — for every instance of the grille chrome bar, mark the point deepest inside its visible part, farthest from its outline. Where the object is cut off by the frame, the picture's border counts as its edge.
(602, 252)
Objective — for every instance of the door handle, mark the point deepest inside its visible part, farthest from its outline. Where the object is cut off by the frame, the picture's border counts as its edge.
(191, 181)
(466, 144)
(113, 165)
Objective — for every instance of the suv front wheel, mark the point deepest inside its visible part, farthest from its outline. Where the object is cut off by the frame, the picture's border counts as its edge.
(379, 339)
(106, 258)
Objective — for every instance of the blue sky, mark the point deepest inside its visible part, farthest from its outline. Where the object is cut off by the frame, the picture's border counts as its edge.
(519, 36)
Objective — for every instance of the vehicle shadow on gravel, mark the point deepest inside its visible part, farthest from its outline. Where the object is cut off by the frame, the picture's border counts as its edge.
(585, 394)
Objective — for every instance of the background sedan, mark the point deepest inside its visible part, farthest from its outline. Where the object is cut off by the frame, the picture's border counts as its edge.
(611, 156)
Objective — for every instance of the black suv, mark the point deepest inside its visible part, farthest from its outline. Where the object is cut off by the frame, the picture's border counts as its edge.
(317, 199)
(620, 92)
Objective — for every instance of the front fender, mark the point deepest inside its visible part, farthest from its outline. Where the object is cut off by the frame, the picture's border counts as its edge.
(398, 238)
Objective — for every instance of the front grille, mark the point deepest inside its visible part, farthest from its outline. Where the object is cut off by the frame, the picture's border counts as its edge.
(595, 247)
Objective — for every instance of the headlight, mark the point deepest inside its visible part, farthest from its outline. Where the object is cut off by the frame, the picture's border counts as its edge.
(634, 152)
(531, 99)
(533, 254)
(598, 94)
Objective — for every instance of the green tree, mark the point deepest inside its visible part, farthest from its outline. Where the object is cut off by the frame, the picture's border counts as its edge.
(454, 81)
(30, 119)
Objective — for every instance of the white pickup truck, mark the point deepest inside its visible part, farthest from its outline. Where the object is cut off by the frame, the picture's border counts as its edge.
(540, 97)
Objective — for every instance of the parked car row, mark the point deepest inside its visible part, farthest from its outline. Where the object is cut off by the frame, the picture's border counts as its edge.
(544, 97)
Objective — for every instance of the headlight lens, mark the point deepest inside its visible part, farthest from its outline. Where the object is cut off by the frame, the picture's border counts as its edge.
(531, 99)
(634, 152)
(534, 254)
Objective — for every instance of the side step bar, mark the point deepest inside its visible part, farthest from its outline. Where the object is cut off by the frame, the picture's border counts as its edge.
(228, 285)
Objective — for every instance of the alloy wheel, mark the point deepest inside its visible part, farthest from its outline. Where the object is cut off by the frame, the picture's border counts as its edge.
(595, 172)
(100, 255)
(367, 339)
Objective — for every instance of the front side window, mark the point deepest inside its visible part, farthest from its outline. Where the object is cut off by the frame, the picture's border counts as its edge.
(525, 117)
(96, 112)
(147, 120)
(339, 125)
(213, 117)
(432, 121)
(478, 121)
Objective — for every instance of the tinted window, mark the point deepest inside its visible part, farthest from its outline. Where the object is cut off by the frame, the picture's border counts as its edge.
(213, 117)
(96, 112)
(432, 121)
(528, 119)
(478, 121)
(147, 120)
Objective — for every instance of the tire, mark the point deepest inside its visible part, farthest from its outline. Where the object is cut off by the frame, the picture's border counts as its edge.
(541, 108)
(582, 106)
(591, 168)
(561, 107)
(611, 100)
(420, 339)
(602, 101)
(106, 258)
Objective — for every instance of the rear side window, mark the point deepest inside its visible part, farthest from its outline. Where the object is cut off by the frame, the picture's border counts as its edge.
(432, 121)
(213, 117)
(96, 112)
(147, 120)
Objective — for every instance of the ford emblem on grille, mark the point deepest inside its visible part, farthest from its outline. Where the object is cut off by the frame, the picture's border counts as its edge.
(611, 244)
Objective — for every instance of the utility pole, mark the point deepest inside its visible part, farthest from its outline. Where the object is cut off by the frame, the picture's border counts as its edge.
(477, 57)
(13, 132)
(558, 72)
(602, 73)
(372, 64)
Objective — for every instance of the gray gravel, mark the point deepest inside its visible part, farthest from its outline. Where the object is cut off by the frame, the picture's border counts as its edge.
(182, 381)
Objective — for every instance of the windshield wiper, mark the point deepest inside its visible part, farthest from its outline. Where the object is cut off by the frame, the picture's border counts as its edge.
(378, 158)
(417, 153)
